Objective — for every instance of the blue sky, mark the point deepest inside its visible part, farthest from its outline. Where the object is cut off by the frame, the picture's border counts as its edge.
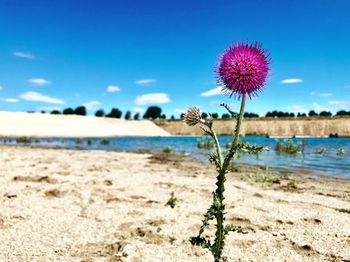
(133, 54)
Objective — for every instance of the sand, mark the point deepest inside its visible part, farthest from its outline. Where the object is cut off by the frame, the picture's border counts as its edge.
(46, 125)
(67, 205)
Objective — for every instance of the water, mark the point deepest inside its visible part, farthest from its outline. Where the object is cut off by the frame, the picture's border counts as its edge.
(329, 164)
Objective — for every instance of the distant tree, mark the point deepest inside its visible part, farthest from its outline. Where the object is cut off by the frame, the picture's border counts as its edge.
(163, 116)
(153, 112)
(127, 115)
(225, 116)
(268, 114)
(343, 113)
(80, 110)
(325, 113)
(250, 115)
(172, 117)
(182, 115)
(43, 112)
(100, 113)
(137, 116)
(115, 113)
(204, 115)
(301, 115)
(55, 112)
(68, 111)
(313, 113)
(215, 115)
(281, 114)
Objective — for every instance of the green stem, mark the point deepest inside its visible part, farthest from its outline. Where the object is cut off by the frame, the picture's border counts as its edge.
(219, 193)
(217, 146)
(239, 120)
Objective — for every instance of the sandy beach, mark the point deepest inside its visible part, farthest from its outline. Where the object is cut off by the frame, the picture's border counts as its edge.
(69, 205)
(16, 124)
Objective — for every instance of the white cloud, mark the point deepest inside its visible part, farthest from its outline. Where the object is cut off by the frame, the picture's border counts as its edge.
(212, 92)
(145, 82)
(47, 108)
(92, 105)
(37, 97)
(38, 82)
(24, 55)
(180, 111)
(113, 89)
(291, 81)
(340, 104)
(318, 107)
(297, 109)
(152, 99)
(9, 100)
(325, 94)
(138, 110)
(321, 94)
(215, 103)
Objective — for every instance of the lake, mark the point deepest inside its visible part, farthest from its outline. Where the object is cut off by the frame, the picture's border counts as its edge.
(309, 162)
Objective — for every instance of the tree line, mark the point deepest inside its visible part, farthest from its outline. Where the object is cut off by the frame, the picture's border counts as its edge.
(155, 112)
(152, 112)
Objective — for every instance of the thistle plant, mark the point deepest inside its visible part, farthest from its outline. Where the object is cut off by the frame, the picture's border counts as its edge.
(242, 72)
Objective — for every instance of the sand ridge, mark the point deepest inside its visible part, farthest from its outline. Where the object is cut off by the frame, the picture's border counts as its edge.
(70, 205)
(46, 125)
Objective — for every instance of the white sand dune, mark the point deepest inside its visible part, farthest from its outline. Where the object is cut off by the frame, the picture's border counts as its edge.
(46, 125)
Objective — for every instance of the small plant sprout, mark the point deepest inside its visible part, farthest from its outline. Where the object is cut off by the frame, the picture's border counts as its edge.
(171, 201)
(241, 72)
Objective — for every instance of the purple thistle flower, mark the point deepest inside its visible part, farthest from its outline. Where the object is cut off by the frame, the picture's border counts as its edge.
(243, 69)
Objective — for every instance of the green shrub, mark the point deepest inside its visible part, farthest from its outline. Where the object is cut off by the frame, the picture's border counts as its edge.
(267, 177)
(205, 145)
(167, 150)
(23, 140)
(320, 151)
(341, 151)
(288, 147)
(105, 142)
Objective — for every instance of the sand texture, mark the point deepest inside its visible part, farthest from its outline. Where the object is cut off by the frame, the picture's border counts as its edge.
(67, 205)
(46, 125)
(315, 127)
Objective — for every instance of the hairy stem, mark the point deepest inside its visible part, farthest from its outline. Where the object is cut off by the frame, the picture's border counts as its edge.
(219, 193)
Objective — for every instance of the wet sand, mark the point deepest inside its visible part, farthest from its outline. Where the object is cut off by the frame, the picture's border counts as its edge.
(70, 205)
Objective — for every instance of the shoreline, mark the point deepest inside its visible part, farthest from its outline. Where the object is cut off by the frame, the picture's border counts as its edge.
(285, 170)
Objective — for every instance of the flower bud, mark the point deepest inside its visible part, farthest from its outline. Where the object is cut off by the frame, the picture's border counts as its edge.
(193, 116)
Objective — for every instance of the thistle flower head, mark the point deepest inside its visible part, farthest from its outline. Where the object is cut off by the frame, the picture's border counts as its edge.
(193, 116)
(243, 69)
